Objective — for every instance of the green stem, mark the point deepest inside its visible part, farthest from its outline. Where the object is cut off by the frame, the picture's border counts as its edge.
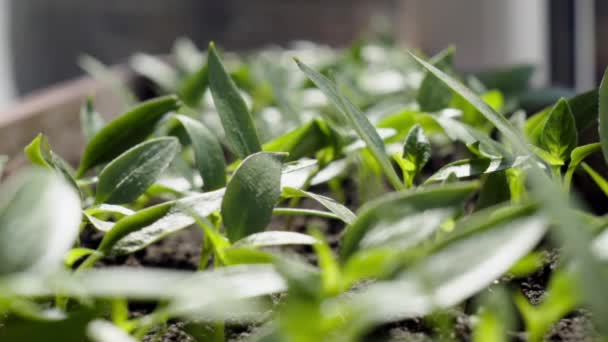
(307, 212)
(90, 261)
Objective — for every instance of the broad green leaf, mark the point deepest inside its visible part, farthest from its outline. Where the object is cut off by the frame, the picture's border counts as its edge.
(576, 158)
(603, 114)
(193, 88)
(251, 194)
(90, 121)
(124, 132)
(584, 107)
(434, 95)
(156, 70)
(39, 221)
(474, 167)
(357, 121)
(103, 331)
(495, 190)
(303, 141)
(455, 268)
(275, 238)
(149, 225)
(128, 176)
(340, 210)
(559, 136)
(208, 153)
(238, 124)
(389, 211)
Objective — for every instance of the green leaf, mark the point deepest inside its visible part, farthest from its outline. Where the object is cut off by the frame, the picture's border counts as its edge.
(303, 141)
(238, 125)
(482, 249)
(357, 121)
(474, 167)
(39, 221)
(479, 143)
(101, 225)
(149, 225)
(251, 195)
(576, 158)
(341, 211)
(39, 153)
(584, 107)
(208, 153)
(275, 238)
(90, 121)
(128, 176)
(562, 297)
(76, 254)
(434, 95)
(495, 190)
(559, 135)
(499, 121)
(193, 88)
(603, 114)
(389, 211)
(124, 132)
(416, 149)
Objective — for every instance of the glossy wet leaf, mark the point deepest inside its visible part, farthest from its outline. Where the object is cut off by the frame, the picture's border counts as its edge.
(36, 240)
(238, 124)
(124, 132)
(90, 121)
(603, 114)
(389, 211)
(130, 174)
(559, 135)
(356, 120)
(433, 95)
(340, 210)
(208, 153)
(275, 238)
(251, 194)
(141, 229)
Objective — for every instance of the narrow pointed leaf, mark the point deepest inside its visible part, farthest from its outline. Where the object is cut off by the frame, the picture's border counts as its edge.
(275, 238)
(303, 141)
(416, 149)
(124, 132)
(208, 153)
(237, 121)
(90, 121)
(340, 210)
(357, 121)
(251, 194)
(474, 167)
(433, 94)
(128, 176)
(576, 158)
